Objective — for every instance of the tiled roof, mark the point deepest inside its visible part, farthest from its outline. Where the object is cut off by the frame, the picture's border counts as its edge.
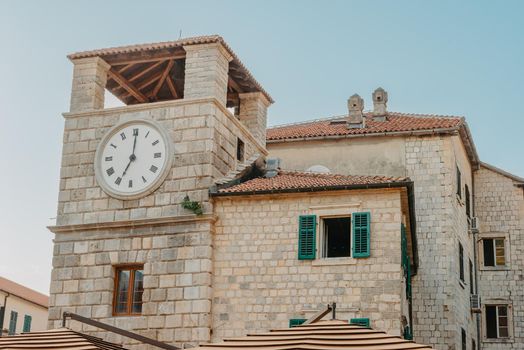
(320, 335)
(62, 338)
(174, 44)
(23, 292)
(291, 180)
(395, 122)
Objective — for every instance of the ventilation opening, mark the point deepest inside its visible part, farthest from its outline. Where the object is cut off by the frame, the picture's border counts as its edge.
(337, 237)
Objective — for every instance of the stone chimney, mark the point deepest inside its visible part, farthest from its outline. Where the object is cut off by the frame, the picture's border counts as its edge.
(356, 118)
(380, 100)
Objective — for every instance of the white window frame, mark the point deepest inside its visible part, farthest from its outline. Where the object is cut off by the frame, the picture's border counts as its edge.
(509, 308)
(323, 240)
(494, 236)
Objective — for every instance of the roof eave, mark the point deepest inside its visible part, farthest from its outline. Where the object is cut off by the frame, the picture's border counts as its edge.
(518, 179)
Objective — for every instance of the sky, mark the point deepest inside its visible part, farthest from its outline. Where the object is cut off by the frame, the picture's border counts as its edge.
(439, 57)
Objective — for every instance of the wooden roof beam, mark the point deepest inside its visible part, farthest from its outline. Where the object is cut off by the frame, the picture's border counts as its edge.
(133, 91)
(147, 70)
(128, 60)
(171, 86)
(163, 78)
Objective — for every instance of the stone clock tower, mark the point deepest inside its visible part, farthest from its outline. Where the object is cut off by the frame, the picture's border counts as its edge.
(126, 251)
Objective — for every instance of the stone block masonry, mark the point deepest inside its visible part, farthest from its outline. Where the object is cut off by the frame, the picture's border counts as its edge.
(259, 283)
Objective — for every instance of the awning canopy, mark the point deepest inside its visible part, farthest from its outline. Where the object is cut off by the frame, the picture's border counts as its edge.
(321, 335)
(63, 338)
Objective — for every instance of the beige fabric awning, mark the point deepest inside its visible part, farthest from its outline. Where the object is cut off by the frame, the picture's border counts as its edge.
(63, 338)
(321, 335)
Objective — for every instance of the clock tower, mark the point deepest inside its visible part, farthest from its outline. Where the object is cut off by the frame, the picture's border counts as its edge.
(134, 236)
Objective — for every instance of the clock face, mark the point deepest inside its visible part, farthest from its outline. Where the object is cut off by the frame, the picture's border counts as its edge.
(133, 159)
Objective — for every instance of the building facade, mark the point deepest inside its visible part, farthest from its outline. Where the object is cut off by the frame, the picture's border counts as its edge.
(21, 309)
(175, 221)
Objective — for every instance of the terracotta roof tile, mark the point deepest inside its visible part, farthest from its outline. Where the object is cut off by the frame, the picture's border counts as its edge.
(62, 338)
(291, 180)
(23, 292)
(318, 336)
(395, 122)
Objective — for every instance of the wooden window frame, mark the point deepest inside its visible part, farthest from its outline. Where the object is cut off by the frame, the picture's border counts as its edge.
(509, 320)
(130, 290)
(461, 263)
(323, 236)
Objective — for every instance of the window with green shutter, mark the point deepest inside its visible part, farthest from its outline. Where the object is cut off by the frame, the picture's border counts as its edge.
(361, 234)
(364, 322)
(296, 322)
(307, 237)
(27, 323)
(12, 322)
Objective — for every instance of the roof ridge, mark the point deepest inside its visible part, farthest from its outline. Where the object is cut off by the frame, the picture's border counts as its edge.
(396, 114)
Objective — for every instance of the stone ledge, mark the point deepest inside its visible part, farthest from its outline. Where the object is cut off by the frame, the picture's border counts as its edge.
(131, 223)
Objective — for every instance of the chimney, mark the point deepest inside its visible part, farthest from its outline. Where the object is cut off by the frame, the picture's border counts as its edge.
(355, 107)
(380, 100)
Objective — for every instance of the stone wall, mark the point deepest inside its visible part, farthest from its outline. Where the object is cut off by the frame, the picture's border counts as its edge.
(259, 283)
(500, 209)
(177, 279)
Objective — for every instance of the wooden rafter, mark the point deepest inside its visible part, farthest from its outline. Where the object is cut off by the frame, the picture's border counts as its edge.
(171, 86)
(126, 67)
(163, 78)
(235, 86)
(133, 91)
(115, 61)
(147, 70)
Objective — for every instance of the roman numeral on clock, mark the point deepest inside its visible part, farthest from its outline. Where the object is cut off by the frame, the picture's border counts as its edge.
(110, 171)
(135, 132)
(153, 169)
(108, 159)
(112, 146)
(123, 136)
(144, 179)
(146, 135)
(155, 143)
(130, 183)
(158, 154)
(118, 180)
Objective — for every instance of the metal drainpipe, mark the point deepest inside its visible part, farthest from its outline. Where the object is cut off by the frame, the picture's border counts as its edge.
(475, 263)
(2, 315)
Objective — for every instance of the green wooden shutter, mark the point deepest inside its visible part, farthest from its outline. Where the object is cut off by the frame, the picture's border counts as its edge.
(361, 234)
(27, 323)
(364, 322)
(12, 323)
(407, 333)
(307, 226)
(296, 322)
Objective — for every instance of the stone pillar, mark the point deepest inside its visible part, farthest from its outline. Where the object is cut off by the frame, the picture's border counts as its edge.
(253, 114)
(89, 82)
(206, 73)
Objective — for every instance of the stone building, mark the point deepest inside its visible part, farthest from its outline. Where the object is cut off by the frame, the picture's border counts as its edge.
(177, 221)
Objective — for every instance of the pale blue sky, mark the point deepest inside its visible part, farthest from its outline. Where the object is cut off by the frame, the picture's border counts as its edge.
(443, 57)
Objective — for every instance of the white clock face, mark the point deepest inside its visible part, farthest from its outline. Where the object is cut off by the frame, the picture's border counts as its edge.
(132, 159)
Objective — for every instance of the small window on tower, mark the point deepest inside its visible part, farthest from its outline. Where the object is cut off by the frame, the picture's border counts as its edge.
(129, 287)
(497, 321)
(336, 238)
(240, 150)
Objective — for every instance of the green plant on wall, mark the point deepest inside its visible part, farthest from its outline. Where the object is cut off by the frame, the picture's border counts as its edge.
(194, 206)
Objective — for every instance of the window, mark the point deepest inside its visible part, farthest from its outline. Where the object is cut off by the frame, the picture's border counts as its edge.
(471, 290)
(27, 323)
(128, 290)
(461, 261)
(463, 338)
(340, 236)
(473, 344)
(240, 150)
(337, 237)
(494, 252)
(296, 322)
(468, 201)
(364, 322)
(12, 322)
(497, 321)
(459, 183)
